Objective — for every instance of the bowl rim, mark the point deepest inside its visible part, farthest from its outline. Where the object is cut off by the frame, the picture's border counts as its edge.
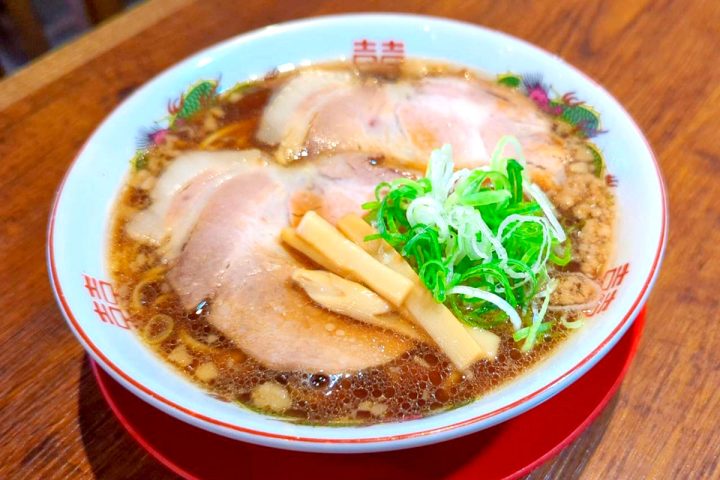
(199, 419)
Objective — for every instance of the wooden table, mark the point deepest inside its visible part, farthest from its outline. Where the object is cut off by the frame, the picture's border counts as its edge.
(660, 59)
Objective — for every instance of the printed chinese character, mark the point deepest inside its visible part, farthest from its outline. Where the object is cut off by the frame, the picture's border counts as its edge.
(118, 317)
(604, 303)
(102, 312)
(364, 51)
(92, 286)
(614, 277)
(108, 292)
(392, 52)
(105, 301)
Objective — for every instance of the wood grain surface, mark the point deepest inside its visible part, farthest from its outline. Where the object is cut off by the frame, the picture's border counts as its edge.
(659, 58)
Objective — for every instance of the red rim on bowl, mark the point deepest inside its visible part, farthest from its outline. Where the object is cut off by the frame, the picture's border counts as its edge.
(509, 450)
(199, 418)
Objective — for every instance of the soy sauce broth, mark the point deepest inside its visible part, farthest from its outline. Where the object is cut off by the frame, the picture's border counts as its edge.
(418, 383)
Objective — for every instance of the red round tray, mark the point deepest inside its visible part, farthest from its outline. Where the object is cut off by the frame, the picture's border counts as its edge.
(509, 450)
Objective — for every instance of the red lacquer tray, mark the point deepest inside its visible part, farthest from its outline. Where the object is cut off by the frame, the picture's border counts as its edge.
(509, 450)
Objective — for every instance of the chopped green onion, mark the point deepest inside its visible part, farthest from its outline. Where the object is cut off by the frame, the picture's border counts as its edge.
(480, 239)
(572, 325)
(539, 196)
(492, 298)
(563, 258)
(523, 332)
(538, 316)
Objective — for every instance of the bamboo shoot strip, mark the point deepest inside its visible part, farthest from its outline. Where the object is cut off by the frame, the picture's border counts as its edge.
(442, 326)
(355, 301)
(485, 338)
(356, 229)
(462, 346)
(353, 260)
(289, 236)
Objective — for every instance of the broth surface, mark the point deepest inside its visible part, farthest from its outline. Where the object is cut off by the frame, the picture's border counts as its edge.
(420, 381)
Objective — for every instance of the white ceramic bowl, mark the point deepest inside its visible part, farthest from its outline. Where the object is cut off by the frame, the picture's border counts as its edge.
(77, 237)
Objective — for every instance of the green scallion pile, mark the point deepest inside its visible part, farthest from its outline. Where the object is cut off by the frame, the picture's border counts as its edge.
(481, 240)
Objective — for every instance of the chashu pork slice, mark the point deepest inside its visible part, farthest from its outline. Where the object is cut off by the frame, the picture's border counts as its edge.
(181, 193)
(285, 120)
(233, 257)
(406, 120)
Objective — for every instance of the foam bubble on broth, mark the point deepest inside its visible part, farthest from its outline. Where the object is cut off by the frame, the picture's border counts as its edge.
(419, 382)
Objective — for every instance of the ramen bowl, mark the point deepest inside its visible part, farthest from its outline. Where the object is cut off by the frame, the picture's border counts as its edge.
(80, 224)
